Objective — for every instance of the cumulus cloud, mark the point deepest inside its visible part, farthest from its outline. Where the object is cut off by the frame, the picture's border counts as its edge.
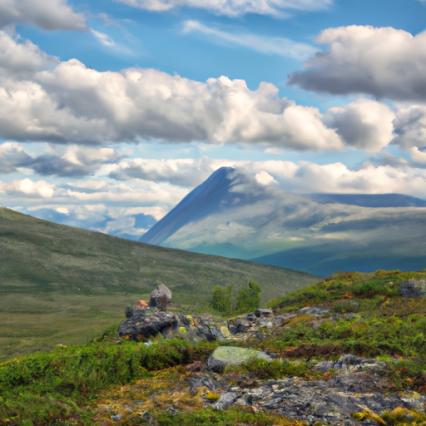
(71, 161)
(186, 172)
(27, 188)
(45, 14)
(70, 103)
(363, 124)
(31, 192)
(233, 8)
(383, 62)
(410, 127)
(267, 45)
(21, 60)
(12, 156)
(74, 104)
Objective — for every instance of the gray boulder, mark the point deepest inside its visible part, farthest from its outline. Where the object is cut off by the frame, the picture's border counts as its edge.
(263, 313)
(160, 297)
(229, 355)
(412, 289)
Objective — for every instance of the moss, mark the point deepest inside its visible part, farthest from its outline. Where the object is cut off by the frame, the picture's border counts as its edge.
(211, 396)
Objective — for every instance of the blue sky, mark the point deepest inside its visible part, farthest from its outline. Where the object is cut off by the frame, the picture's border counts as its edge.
(113, 111)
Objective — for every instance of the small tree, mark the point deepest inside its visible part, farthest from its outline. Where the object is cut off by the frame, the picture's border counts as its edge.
(221, 299)
(248, 299)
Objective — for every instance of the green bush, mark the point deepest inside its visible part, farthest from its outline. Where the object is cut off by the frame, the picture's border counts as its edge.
(221, 299)
(248, 299)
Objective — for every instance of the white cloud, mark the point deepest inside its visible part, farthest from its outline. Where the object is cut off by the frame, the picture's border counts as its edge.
(21, 60)
(182, 172)
(363, 124)
(410, 127)
(383, 62)
(73, 104)
(105, 39)
(233, 8)
(12, 156)
(267, 45)
(46, 14)
(264, 178)
(27, 188)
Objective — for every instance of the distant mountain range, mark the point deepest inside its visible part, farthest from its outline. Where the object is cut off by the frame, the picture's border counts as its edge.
(232, 214)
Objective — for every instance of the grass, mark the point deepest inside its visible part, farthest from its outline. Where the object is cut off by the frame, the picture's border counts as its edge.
(60, 284)
(59, 385)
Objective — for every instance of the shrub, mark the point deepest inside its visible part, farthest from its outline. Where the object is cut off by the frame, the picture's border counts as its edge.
(221, 299)
(248, 299)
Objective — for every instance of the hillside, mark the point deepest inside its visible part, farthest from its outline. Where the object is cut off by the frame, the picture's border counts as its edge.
(60, 284)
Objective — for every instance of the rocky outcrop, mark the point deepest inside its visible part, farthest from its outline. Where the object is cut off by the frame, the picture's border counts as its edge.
(224, 356)
(160, 297)
(146, 323)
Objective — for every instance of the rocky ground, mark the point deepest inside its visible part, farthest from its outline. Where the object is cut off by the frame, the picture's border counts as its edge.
(340, 391)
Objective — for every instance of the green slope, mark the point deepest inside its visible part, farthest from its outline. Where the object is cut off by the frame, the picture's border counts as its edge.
(60, 284)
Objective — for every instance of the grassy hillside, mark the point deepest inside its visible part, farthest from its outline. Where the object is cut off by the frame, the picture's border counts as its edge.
(60, 284)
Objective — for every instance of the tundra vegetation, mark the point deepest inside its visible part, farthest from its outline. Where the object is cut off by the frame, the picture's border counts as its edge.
(366, 317)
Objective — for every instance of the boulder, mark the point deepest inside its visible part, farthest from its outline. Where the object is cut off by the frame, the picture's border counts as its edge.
(160, 297)
(412, 289)
(229, 355)
(263, 313)
(240, 325)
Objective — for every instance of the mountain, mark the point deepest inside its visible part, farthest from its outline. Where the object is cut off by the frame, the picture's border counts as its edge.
(203, 201)
(233, 214)
(60, 284)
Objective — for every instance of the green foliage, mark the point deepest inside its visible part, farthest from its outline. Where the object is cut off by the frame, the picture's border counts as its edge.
(361, 336)
(56, 384)
(349, 284)
(221, 299)
(212, 417)
(248, 299)
(261, 369)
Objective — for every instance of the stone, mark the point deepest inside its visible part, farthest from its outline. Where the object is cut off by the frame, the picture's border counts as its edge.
(160, 297)
(412, 289)
(263, 313)
(145, 324)
(315, 310)
(116, 417)
(226, 400)
(224, 356)
(239, 325)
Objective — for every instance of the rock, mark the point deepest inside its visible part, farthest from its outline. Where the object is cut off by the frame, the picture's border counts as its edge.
(160, 297)
(411, 289)
(239, 325)
(226, 400)
(228, 355)
(145, 324)
(315, 310)
(263, 313)
(116, 417)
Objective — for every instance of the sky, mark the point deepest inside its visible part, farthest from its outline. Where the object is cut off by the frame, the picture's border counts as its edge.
(111, 112)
